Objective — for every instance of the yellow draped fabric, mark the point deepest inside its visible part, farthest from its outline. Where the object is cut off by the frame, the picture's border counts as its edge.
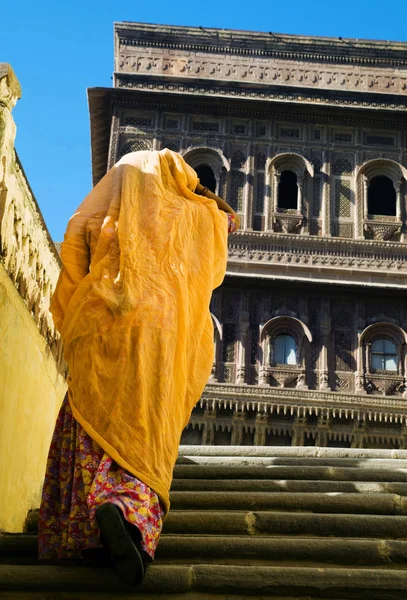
(141, 257)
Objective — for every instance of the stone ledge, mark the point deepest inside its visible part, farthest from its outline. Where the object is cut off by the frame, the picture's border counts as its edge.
(300, 452)
(214, 579)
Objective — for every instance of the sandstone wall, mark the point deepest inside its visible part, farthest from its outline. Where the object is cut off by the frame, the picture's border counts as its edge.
(32, 372)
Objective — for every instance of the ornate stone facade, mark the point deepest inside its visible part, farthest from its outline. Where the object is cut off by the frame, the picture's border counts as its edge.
(307, 139)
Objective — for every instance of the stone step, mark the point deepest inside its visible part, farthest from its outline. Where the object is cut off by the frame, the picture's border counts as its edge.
(291, 452)
(237, 581)
(354, 474)
(284, 485)
(271, 461)
(384, 504)
(285, 523)
(22, 549)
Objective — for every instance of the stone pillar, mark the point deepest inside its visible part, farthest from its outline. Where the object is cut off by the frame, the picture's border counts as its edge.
(322, 431)
(298, 431)
(238, 420)
(326, 194)
(260, 430)
(365, 196)
(359, 430)
(325, 332)
(243, 340)
(249, 206)
(208, 432)
(403, 443)
(300, 183)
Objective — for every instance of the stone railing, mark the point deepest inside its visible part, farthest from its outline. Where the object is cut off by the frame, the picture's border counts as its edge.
(318, 259)
(26, 249)
(266, 399)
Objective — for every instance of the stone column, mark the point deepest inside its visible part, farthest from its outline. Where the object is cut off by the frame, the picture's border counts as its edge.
(260, 430)
(238, 420)
(322, 431)
(298, 431)
(359, 430)
(403, 443)
(243, 341)
(326, 194)
(208, 433)
(359, 375)
(325, 332)
(365, 195)
(249, 208)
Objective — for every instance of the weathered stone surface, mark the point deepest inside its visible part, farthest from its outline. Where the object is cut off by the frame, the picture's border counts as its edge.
(286, 472)
(32, 372)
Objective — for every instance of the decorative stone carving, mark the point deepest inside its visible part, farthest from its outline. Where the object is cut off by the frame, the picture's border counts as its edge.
(386, 383)
(269, 253)
(256, 59)
(26, 249)
(382, 230)
(284, 376)
(288, 222)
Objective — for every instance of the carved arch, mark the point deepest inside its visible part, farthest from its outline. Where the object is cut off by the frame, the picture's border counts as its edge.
(383, 166)
(291, 161)
(212, 157)
(290, 324)
(217, 326)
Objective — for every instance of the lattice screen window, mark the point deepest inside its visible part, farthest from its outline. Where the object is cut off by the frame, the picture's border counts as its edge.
(238, 159)
(316, 197)
(342, 205)
(259, 191)
(343, 351)
(237, 190)
(343, 198)
(342, 325)
(134, 146)
(139, 121)
(229, 339)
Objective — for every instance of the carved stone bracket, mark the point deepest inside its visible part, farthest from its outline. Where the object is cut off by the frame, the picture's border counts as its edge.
(387, 383)
(288, 222)
(382, 230)
(285, 376)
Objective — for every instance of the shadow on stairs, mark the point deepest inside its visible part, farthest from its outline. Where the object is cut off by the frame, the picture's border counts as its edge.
(288, 523)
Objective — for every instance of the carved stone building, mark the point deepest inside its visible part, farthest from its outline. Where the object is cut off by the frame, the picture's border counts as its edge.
(307, 139)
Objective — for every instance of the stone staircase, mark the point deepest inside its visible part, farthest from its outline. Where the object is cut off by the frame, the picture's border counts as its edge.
(288, 523)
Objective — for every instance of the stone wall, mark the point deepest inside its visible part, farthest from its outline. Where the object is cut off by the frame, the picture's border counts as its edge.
(32, 374)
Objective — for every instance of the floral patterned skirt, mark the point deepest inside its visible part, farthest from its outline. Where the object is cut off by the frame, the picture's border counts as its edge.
(80, 477)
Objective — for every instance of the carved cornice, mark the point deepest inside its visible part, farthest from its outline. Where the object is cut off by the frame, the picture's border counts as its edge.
(261, 44)
(266, 399)
(265, 93)
(375, 262)
(189, 65)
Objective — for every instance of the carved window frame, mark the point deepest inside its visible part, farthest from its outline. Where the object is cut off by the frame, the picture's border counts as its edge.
(384, 380)
(212, 158)
(382, 227)
(285, 325)
(287, 220)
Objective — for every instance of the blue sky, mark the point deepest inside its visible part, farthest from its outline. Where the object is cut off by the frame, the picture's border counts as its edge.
(58, 49)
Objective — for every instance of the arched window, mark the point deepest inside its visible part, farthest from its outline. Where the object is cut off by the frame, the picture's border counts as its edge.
(288, 190)
(383, 355)
(206, 177)
(284, 350)
(381, 196)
